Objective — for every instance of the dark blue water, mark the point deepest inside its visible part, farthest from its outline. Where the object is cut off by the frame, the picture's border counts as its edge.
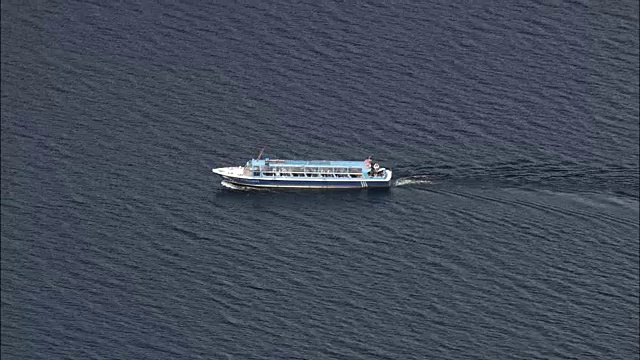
(512, 129)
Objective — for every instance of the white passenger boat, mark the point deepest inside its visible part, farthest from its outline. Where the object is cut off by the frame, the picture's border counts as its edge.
(268, 173)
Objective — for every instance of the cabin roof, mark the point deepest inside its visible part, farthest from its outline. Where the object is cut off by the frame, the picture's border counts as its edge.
(310, 163)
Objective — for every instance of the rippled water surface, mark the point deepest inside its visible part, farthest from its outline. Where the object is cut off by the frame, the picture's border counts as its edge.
(511, 231)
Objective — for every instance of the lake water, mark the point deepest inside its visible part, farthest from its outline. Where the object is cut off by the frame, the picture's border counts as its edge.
(511, 232)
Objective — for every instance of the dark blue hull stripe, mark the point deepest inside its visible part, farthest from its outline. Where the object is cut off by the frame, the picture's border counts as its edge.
(308, 184)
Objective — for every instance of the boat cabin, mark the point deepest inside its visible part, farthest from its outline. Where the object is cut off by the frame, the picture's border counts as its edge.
(312, 169)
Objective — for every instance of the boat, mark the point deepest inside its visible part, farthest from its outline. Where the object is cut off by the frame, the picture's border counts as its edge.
(309, 174)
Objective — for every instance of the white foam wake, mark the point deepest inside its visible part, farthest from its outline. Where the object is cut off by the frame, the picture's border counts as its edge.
(232, 186)
(413, 180)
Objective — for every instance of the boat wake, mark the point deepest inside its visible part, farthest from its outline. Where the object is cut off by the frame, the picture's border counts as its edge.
(231, 186)
(412, 180)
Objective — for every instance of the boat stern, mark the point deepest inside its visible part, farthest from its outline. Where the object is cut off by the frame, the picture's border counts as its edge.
(388, 174)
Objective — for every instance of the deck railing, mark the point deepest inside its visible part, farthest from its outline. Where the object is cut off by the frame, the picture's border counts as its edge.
(278, 171)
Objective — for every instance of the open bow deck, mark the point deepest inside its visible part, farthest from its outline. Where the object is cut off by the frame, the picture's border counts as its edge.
(307, 174)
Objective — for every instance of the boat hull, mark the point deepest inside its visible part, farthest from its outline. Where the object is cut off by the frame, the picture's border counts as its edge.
(309, 184)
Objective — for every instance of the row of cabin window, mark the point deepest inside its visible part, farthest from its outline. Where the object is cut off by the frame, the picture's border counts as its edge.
(257, 173)
(311, 170)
